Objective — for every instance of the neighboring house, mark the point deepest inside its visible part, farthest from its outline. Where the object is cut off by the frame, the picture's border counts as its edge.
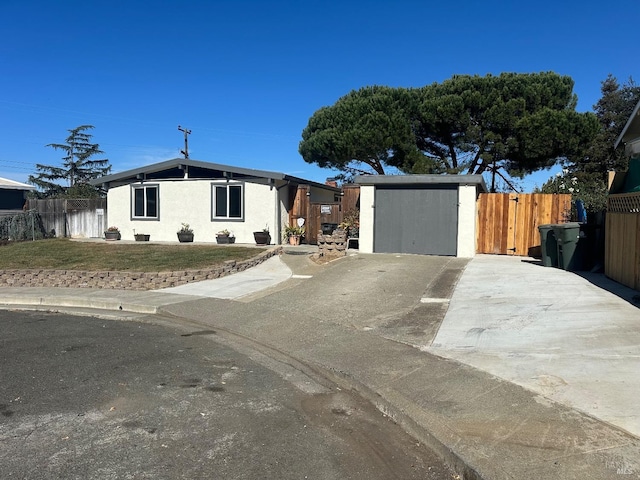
(13, 196)
(423, 214)
(156, 199)
(630, 137)
(622, 229)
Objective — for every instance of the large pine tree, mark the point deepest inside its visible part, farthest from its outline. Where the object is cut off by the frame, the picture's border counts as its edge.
(78, 167)
(467, 124)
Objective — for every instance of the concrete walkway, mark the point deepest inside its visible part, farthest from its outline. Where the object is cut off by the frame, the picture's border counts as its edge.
(368, 323)
(269, 273)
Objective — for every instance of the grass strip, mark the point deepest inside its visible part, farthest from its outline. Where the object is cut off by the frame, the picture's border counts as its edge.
(65, 254)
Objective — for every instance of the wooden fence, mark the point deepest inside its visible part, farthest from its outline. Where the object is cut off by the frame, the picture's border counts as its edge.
(315, 214)
(508, 223)
(74, 217)
(622, 239)
(350, 197)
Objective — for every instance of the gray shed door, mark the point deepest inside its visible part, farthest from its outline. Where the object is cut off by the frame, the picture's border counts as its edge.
(416, 219)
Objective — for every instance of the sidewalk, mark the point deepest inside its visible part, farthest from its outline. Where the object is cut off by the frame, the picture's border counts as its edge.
(344, 320)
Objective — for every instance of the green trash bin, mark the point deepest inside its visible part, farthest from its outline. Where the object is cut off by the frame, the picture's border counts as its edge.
(548, 245)
(570, 249)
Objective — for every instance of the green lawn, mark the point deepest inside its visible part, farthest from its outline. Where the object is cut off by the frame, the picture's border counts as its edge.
(65, 254)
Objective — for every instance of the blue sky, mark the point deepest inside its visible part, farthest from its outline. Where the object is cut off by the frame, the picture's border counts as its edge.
(245, 76)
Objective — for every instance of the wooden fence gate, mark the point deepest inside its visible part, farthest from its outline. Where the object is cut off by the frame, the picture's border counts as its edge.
(317, 213)
(320, 213)
(73, 217)
(508, 222)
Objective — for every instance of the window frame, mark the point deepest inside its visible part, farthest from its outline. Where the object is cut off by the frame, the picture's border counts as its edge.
(226, 185)
(145, 187)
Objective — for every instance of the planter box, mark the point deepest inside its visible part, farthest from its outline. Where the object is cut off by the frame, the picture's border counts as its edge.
(262, 238)
(185, 237)
(225, 239)
(140, 237)
(111, 236)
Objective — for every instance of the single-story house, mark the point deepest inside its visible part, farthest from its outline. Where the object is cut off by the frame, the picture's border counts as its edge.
(157, 199)
(423, 214)
(12, 196)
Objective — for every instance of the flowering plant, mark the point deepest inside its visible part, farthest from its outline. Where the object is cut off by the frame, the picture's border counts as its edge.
(580, 186)
(113, 229)
(562, 183)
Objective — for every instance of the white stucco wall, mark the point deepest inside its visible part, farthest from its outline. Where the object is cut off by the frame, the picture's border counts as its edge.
(189, 201)
(321, 195)
(467, 221)
(367, 197)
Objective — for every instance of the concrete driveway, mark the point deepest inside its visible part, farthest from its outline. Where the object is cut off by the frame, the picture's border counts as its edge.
(574, 339)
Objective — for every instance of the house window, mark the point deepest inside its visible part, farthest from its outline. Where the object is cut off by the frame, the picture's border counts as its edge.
(228, 201)
(145, 201)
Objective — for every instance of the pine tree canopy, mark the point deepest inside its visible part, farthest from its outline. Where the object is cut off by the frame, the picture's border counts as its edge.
(77, 169)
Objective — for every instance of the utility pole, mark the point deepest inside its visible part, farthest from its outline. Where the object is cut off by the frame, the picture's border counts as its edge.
(186, 131)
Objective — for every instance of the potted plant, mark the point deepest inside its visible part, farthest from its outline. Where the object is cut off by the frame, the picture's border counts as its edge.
(225, 236)
(293, 234)
(185, 234)
(351, 223)
(263, 237)
(112, 233)
(141, 237)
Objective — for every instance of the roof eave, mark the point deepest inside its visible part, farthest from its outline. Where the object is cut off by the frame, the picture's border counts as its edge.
(622, 137)
(476, 180)
(173, 163)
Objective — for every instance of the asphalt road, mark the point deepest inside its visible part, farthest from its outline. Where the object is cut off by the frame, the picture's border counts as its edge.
(86, 398)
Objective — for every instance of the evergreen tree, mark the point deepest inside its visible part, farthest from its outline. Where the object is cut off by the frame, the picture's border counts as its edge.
(612, 110)
(467, 124)
(586, 176)
(77, 169)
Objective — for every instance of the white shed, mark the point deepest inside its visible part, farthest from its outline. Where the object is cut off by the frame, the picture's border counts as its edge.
(423, 214)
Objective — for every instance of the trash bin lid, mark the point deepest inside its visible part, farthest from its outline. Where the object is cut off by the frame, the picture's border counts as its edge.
(567, 225)
(548, 226)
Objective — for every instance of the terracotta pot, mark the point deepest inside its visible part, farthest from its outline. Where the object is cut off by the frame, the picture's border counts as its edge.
(294, 239)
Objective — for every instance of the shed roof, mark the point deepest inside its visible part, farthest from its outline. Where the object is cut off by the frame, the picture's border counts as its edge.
(174, 168)
(7, 184)
(476, 180)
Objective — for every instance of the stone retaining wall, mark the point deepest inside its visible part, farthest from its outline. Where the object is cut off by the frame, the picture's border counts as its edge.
(334, 245)
(126, 280)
